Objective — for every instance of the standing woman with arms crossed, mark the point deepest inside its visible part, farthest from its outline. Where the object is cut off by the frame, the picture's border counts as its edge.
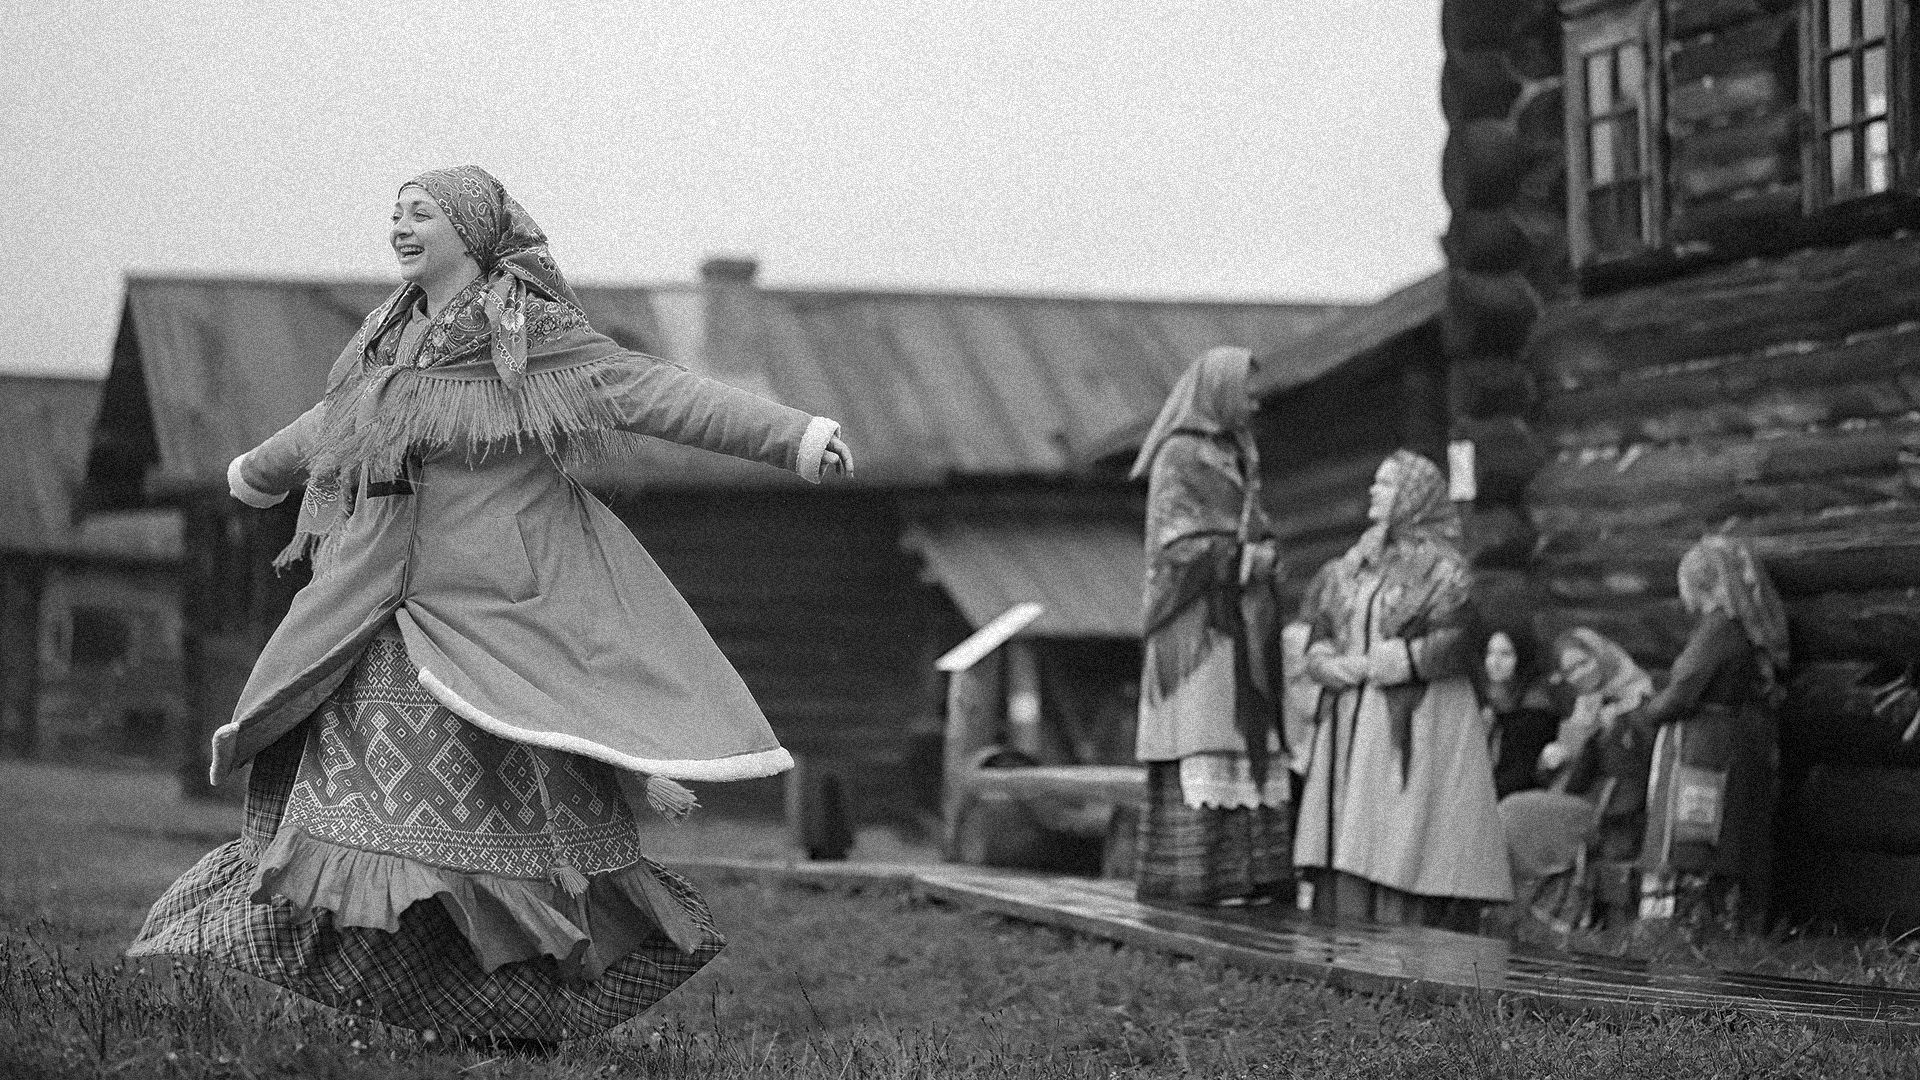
(1398, 819)
(487, 678)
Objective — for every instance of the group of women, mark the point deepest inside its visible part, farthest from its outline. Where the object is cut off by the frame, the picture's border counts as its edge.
(452, 730)
(1386, 757)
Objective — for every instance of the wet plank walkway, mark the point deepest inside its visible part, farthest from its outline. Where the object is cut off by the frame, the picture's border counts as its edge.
(1437, 964)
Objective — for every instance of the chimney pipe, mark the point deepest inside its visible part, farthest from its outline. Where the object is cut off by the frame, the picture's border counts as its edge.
(729, 269)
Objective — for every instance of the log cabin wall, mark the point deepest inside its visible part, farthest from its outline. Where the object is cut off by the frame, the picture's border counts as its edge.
(1503, 173)
(1741, 358)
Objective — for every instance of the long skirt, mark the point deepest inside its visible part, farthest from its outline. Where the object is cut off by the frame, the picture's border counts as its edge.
(1709, 831)
(400, 864)
(1202, 856)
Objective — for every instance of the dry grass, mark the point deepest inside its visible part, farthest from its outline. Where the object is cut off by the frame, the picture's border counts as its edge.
(815, 985)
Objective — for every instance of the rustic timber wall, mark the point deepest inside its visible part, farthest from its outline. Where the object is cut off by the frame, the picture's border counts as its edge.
(1504, 177)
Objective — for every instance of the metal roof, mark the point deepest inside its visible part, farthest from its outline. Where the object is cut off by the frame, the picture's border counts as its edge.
(927, 385)
(1350, 335)
(1087, 576)
(44, 425)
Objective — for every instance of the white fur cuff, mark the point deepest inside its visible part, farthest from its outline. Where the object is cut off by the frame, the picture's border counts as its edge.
(238, 487)
(813, 448)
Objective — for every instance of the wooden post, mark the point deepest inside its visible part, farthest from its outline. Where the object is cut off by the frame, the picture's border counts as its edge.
(974, 712)
(1023, 700)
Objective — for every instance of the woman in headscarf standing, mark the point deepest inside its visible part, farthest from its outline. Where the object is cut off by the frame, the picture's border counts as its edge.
(453, 728)
(1398, 817)
(1215, 827)
(1707, 856)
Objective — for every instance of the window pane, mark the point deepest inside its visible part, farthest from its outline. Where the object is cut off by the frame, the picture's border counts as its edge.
(1873, 19)
(1599, 83)
(1613, 217)
(1632, 71)
(1879, 162)
(1873, 80)
(1626, 144)
(1840, 90)
(1840, 162)
(1839, 22)
(1600, 164)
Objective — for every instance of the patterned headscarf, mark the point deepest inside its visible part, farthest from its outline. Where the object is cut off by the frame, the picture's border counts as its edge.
(518, 279)
(1420, 513)
(1209, 399)
(1620, 678)
(1721, 574)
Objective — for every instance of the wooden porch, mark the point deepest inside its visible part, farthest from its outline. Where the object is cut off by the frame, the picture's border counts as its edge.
(1434, 964)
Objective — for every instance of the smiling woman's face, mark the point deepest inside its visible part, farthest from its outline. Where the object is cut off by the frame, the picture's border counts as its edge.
(423, 238)
(1582, 671)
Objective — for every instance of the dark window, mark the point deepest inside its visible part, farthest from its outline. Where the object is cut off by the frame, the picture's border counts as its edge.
(100, 636)
(1854, 81)
(1614, 92)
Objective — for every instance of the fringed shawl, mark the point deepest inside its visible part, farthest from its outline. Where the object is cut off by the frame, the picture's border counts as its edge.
(508, 362)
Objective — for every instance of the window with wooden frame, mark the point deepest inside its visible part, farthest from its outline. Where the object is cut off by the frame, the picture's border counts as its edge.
(1853, 81)
(1613, 157)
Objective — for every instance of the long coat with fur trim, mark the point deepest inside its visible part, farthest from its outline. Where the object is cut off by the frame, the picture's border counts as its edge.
(529, 608)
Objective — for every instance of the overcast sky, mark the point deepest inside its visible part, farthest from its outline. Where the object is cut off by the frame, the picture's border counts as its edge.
(1214, 148)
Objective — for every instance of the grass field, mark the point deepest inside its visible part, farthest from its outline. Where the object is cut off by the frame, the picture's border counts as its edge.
(814, 985)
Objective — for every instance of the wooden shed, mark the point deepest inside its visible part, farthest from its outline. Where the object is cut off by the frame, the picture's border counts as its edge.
(833, 622)
(89, 608)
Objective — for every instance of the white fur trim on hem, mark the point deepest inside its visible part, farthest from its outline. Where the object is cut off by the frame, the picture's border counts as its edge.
(813, 448)
(734, 767)
(238, 487)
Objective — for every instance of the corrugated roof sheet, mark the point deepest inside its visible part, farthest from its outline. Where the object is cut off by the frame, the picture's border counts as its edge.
(44, 426)
(1086, 575)
(926, 384)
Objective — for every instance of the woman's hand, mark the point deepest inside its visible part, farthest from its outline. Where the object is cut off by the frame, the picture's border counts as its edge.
(1337, 672)
(1389, 663)
(1258, 560)
(837, 457)
(1553, 755)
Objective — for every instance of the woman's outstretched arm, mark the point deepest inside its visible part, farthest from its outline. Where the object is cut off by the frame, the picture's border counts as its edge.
(653, 397)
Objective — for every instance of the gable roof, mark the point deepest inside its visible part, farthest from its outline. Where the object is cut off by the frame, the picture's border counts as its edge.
(1350, 335)
(927, 385)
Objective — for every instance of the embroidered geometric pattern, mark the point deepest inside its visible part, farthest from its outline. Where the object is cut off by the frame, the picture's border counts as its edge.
(389, 769)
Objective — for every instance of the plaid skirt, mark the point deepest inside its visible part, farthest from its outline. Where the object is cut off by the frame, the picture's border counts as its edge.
(423, 971)
(1200, 856)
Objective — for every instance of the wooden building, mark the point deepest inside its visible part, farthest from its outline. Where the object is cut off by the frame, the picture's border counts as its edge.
(971, 418)
(1683, 300)
(89, 608)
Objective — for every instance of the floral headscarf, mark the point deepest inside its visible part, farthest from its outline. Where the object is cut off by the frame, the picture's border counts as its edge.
(518, 277)
(1421, 512)
(1620, 678)
(1721, 574)
(1210, 398)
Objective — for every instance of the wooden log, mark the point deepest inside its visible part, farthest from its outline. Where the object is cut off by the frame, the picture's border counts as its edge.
(1877, 625)
(1865, 377)
(1815, 295)
(1467, 25)
(1539, 119)
(1717, 160)
(1717, 97)
(974, 717)
(1868, 891)
(1873, 550)
(1481, 165)
(1735, 48)
(1649, 471)
(1476, 85)
(1486, 242)
(1488, 314)
(1688, 18)
(1833, 715)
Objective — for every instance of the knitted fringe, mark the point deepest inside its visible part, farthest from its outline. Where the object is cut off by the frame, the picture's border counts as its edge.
(415, 412)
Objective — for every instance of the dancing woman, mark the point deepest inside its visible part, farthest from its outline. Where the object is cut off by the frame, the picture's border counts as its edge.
(453, 728)
(1397, 819)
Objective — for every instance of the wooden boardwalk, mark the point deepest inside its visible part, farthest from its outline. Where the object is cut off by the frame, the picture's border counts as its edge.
(1437, 964)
